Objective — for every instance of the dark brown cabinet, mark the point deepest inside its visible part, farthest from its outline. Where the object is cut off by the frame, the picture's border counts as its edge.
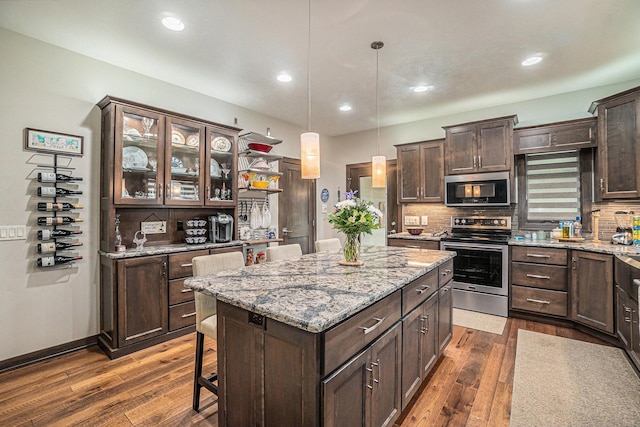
(618, 170)
(569, 135)
(592, 290)
(421, 172)
(414, 243)
(627, 314)
(482, 146)
(445, 322)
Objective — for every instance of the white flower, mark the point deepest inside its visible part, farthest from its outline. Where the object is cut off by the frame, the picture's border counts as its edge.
(349, 203)
(375, 211)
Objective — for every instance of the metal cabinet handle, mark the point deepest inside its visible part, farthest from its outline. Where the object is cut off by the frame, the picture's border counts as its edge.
(373, 365)
(184, 316)
(539, 301)
(186, 265)
(602, 185)
(159, 192)
(479, 162)
(164, 269)
(184, 291)
(372, 328)
(413, 246)
(370, 386)
(423, 290)
(538, 256)
(446, 273)
(424, 320)
(538, 276)
(474, 162)
(445, 289)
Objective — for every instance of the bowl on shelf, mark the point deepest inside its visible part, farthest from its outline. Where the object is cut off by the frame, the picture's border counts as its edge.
(258, 146)
(260, 184)
(414, 231)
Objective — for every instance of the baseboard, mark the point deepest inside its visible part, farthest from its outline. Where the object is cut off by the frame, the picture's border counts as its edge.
(47, 353)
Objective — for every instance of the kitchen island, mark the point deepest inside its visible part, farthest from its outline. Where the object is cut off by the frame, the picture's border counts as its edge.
(310, 342)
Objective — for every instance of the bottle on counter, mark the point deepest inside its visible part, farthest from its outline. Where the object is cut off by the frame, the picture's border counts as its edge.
(56, 207)
(577, 227)
(54, 234)
(45, 248)
(56, 192)
(57, 220)
(50, 261)
(56, 177)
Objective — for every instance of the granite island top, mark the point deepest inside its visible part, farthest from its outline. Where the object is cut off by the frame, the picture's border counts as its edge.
(314, 292)
(167, 249)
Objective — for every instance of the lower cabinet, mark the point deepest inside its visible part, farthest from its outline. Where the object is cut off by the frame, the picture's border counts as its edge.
(366, 390)
(445, 321)
(627, 313)
(592, 290)
(414, 243)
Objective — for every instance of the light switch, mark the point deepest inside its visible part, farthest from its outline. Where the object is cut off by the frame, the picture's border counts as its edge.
(424, 220)
(3, 233)
(13, 232)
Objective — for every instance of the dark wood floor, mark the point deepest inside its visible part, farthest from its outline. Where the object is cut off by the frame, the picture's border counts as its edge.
(470, 386)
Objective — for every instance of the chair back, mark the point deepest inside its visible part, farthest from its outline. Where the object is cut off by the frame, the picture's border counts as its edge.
(284, 252)
(328, 245)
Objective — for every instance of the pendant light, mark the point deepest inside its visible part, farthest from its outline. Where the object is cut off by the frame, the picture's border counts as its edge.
(378, 162)
(309, 141)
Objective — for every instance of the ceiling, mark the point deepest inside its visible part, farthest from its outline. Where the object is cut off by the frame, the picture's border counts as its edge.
(470, 51)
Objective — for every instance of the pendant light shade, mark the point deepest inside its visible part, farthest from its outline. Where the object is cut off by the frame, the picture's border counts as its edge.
(309, 141)
(378, 162)
(310, 155)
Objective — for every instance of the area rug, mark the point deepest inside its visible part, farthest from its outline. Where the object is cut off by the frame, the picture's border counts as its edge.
(564, 382)
(479, 321)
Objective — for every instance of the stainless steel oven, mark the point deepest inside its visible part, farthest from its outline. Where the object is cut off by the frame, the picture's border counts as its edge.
(481, 267)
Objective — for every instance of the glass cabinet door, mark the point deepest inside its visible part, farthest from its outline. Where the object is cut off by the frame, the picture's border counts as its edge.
(221, 168)
(184, 162)
(139, 157)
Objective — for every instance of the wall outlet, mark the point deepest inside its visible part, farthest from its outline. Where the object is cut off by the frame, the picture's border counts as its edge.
(424, 220)
(411, 220)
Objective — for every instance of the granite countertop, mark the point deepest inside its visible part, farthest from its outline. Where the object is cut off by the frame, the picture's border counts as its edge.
(407, 236)
(602, 247)
(167, 249)
(314, 292)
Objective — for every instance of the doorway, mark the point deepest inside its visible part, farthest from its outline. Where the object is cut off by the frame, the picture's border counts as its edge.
(296, 206)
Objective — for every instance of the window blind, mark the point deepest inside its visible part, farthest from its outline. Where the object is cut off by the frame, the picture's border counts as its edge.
(553, 186)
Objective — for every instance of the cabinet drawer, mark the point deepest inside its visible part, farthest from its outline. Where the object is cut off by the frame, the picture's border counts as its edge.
(178, 293)
(346, 339)
(539, 276)
(419, 290)
(539, 255)
(445, 273)
(539, 300)
(180, 264)
(225, 249)
(182, 315)
(412, 243)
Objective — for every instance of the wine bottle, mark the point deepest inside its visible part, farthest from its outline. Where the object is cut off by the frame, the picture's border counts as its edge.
(55, 191)
(50, 261)
(53, 234)
(56, 207)
(49, 247)
(57, 220)
(56, 177)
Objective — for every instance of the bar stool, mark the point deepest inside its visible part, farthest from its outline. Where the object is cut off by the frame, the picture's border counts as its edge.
(283, 252)
(328, 245)
(206, 318)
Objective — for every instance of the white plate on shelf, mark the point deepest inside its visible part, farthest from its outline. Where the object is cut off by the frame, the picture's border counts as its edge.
(134, 157)
(177, 137)
(215, 169)
(221, 144)
(176, 163)
(193, 140)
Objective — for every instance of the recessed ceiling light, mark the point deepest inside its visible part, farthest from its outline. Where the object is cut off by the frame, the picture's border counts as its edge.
(284, 77)
(345, 107)
(532, 60)
(422, 88)
(173, 23)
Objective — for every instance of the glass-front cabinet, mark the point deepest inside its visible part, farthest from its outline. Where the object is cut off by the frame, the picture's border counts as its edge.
(221, 167)
(185, 156)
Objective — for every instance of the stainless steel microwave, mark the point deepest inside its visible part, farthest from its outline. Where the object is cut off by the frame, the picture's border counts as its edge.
(483, 189)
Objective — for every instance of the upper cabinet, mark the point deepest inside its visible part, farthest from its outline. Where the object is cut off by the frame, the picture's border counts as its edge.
(482, 146)
(421, 171)
(569, 135)
(618, 171)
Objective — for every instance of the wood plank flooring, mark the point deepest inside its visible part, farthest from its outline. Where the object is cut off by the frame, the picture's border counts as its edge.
(470, 386)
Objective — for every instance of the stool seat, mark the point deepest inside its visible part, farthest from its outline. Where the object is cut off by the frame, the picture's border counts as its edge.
(328, 245)
(275, 253)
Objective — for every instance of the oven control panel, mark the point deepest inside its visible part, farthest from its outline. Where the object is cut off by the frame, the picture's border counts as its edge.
(483, 222)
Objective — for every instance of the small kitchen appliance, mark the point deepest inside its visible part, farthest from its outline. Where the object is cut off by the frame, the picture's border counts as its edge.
(220, 228)
(624, 228)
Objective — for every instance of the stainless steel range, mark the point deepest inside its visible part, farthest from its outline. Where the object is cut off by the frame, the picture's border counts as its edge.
(481, 268)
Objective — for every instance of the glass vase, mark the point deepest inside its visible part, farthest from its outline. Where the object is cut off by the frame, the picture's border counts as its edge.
(352, 249)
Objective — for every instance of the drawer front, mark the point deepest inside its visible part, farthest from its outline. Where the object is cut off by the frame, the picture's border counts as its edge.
(445, 273)
(539, 300)
(417, 244)
(419, 290)
(539, 276)
(178, 293)
(180, 264)
(343, 341)
(225, 249)
(553, 256)
(182, 315)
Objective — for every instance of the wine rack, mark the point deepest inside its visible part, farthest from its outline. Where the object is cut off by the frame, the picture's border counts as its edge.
(54, 244)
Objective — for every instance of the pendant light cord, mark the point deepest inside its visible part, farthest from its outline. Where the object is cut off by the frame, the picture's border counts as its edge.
(309, 72)
(377, 101)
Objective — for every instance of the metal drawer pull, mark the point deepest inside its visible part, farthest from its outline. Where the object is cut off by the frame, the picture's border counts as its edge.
(538, 256)
(446, 272)
(184, 291)
(539, 301)
(413, 246)
(538, 276)
(372, 328)
(184, 316)
(186, 265)
(423, 290)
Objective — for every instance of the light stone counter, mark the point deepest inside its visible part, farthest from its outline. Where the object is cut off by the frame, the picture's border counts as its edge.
(167, 249)
(314, 292)
(407, 236)
(587, 245)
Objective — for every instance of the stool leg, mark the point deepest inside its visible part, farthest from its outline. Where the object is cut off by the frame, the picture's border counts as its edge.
(198, 370)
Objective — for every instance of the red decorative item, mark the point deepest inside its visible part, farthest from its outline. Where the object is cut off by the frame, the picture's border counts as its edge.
(258, 146)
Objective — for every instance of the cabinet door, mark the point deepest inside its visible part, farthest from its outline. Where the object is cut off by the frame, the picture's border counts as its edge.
(142, 299)
(461, 146)
(495, 147)
(385, 364)
(445, 310)
(592, 290)
(635, 334)
(221, 168)
(183, 169)
(139, 157)
(411, 366)
(624, 316)
(345, 393)
(618, 152)
(409, 176)
(429, 343)
(432, 171)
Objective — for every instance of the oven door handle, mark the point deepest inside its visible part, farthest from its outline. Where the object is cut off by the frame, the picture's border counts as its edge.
(453, 246)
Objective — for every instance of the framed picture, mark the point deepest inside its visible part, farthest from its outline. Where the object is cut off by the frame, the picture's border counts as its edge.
(53, 142)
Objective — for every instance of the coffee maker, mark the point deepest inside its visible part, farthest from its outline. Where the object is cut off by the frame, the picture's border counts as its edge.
(220, 228)
(624, 230)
